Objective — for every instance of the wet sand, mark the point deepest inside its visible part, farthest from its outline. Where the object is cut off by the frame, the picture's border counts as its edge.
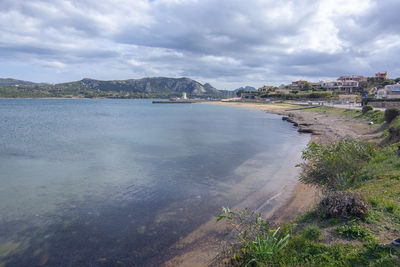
(201, 246)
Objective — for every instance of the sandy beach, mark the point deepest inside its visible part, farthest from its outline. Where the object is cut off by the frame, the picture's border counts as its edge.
(201, 246)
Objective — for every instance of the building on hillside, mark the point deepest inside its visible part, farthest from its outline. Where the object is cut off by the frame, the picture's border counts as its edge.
(390, 91)
(358, 78)
(249, 95)
(381, 75)
(265, 88)
(300, 84)
(316, 84)
(331, 85)
(349, 86)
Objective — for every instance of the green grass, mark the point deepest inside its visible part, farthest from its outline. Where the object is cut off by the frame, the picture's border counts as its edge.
(318, 241)
(312, 232)
(376, 116)
(353, 231)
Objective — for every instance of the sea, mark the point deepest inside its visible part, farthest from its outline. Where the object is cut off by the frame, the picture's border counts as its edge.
(103, 182)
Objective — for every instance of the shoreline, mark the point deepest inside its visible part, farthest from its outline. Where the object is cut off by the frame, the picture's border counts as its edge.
(198, 249)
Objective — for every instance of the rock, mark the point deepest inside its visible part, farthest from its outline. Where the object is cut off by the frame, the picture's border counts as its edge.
(305, 130)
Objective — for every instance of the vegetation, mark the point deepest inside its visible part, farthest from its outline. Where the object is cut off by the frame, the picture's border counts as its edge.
(304, 244)
(335, 166)
(357, 219)
(372, 82)
(376, 116)
(353, 231)
(159, 87)
(343, 205)
(298, 95)
(254, 242)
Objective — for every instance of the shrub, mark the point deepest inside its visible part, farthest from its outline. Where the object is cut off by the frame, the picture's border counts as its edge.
(343, 205)
(367, 108)
(391, 114)
(336, 165)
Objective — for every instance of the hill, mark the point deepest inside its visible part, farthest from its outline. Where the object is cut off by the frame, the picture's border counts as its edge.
(155, 87)
(13, 82)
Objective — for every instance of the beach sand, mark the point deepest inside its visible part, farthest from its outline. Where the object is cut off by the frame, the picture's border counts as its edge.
(201, 246)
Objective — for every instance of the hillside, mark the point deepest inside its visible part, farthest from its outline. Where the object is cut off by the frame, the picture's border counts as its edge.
(132, 88)
(13, 82)
(144, 85)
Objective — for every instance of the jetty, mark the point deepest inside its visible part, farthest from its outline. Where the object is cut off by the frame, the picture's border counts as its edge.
(173, 102)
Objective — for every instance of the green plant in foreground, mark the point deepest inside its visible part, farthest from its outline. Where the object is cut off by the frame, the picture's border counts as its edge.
(265, 246)
(252, 236)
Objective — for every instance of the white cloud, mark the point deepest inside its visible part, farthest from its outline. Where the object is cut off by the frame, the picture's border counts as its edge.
(226, 42)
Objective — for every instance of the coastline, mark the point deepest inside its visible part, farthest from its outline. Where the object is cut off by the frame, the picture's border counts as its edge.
(200, 247)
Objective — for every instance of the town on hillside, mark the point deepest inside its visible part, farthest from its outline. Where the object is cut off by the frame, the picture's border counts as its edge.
(378, 91)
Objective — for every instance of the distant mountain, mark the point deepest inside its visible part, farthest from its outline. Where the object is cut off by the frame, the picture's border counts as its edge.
(233, 93)
(154, 85)
(13, 82)
(132, 88)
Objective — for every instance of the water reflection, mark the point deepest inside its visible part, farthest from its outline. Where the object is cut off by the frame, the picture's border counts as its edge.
(107, 182)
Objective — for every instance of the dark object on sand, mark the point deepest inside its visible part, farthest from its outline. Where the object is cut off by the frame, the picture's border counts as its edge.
(396, 242)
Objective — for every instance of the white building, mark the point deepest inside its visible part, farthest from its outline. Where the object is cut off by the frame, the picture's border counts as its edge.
(349, 86)
(390, 91)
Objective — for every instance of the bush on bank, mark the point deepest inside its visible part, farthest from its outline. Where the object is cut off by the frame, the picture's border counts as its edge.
(336, 166)
(367, 108)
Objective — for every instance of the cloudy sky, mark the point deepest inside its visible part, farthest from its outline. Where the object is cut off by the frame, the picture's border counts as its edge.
(228, 43)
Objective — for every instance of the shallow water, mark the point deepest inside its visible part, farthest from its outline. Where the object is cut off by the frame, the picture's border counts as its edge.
(105, 182)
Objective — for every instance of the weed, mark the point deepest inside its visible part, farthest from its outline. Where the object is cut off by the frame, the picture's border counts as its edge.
(390, 207)
(333, 221)
(353, 231)
(374, 202)
(307, 216)
(253, 236)
(312, 232)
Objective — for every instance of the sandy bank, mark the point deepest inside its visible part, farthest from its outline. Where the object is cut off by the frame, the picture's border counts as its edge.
(200, 247)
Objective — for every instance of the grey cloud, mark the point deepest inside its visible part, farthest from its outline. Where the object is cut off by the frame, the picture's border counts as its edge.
(381, 19)
(214, 27)
(224, 40)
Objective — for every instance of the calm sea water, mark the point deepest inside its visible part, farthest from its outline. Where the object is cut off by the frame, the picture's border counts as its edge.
(106, 182)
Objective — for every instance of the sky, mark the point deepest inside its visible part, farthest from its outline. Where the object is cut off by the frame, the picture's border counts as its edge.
(227, 43)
